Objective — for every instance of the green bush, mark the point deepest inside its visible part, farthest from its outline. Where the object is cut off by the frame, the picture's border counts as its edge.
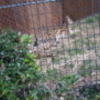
(18, 69)
(21, 78)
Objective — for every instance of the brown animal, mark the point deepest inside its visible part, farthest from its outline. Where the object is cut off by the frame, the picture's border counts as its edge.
(41, 51)
(55, 35)
(48, 39)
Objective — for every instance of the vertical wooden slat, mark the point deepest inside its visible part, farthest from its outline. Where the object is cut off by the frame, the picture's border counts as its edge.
(77, 9)
(96, 6)
(29, 19)
(6, 16)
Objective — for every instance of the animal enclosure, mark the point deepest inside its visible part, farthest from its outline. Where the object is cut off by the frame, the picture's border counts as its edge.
(66, 37)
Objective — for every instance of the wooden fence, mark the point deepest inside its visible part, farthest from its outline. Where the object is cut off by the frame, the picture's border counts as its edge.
(77, 9)
(30, 18)
(6, 16)
(95, 6)
(33, 17)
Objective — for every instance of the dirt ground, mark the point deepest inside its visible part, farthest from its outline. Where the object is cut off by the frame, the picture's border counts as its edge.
(77, 53)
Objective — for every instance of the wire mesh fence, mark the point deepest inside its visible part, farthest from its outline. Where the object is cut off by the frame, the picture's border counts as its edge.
(66, 43)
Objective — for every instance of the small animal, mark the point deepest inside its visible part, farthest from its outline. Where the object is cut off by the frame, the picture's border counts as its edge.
(42, 50)
(56, 35)
(70, 24)
(65, 30)
(49, 38)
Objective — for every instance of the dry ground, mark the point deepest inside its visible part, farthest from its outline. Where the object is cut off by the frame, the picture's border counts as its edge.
(78, 53)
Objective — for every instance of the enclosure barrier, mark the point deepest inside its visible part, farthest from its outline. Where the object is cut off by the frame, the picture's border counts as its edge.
(14, 13)
(66, 45)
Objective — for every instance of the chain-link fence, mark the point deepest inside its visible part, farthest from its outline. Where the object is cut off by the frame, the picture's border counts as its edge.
(66, 43)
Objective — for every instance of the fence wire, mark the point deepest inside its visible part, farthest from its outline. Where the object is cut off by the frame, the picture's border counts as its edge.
(66, 40)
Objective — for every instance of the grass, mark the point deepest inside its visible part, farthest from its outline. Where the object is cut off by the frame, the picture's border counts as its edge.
(75, 26)
(97, 17)
(78, 43)
(65, 58)
(53, 74)
(84, 28)
(89, 20)
(44, 58)
(90, 44)
(92, 21)
(75, 34)
(61, 52)
(57, 60)
(74, 51)
(96, 25)
(87, 62)
(69, 66)
(87, 67)
(90, 36)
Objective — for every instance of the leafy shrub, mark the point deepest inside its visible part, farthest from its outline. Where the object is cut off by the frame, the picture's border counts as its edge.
(18, 69)
(90, 92)
(21, 78)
